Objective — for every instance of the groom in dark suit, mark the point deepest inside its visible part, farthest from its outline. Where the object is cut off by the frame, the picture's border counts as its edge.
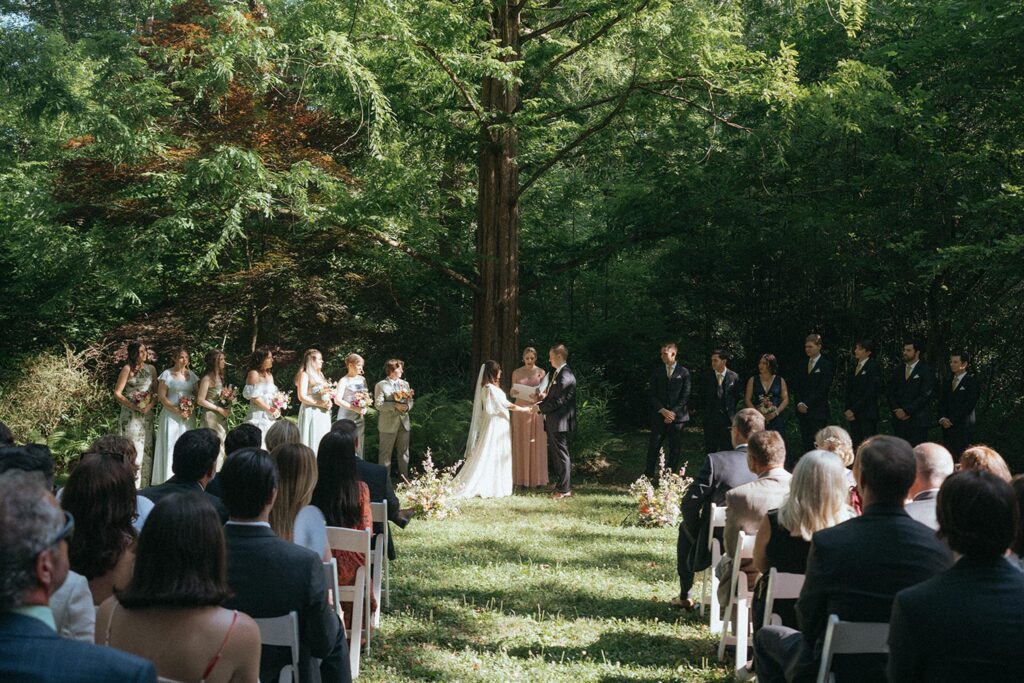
(668, 390)
(558, 406)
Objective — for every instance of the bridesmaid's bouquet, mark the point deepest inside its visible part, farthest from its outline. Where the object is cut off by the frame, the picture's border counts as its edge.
(403, 395)
(142, 399)
(327, 391)
(658, 506)
(280, 403)
(766, 407)
(432, 494)
(227, 396)
(362, 402)
(185, 406)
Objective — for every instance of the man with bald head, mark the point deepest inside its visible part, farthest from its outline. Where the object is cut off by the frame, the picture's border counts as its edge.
(934, 464)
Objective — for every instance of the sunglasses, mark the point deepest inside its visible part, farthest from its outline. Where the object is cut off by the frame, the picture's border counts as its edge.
(66, 531)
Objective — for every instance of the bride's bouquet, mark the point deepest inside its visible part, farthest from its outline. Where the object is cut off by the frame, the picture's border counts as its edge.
(280, 403)
(658, 506)
(432, 494)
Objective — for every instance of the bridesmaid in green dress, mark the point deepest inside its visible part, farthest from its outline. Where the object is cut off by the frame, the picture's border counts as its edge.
(215, 416)
(136, 392)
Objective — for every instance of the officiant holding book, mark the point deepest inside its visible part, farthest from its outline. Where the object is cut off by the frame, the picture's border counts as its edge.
(529, 442)
(668, 391)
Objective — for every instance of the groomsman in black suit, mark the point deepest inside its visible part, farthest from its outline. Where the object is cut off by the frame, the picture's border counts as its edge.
(812, 387)
(863, 387)
(910, 395)
(721, 394)
(558, 406)
(667, 391)
(956, 406)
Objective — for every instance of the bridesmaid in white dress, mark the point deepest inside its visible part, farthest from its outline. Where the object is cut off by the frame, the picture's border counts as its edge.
(137, 378)
(260, 390)
(348, 386)
(315, 408)
(172, 384)
(488, 469)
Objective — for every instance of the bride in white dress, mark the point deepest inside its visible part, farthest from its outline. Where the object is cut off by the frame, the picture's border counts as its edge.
(488, 469)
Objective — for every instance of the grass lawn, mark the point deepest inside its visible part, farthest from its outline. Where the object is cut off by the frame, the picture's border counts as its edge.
(530, 589)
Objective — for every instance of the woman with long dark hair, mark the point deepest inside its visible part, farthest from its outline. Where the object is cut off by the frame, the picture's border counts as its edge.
(293, 518)
(135, 391)
(170, 612)
(260, 390)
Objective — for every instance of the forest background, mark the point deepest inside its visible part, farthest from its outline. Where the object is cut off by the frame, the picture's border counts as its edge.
(450, 180)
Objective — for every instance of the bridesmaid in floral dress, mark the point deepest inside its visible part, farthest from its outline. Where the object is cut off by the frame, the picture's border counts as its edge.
(529, 441)
(260, 391)
(348, 386)
(215, 416)
(174, 383)
(136, 394)
(314, 407)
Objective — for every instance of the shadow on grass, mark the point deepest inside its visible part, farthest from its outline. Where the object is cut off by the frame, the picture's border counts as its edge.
(635, 647)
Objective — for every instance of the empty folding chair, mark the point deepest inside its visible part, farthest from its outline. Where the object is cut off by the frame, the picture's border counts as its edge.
(381, 567)
(716, 520)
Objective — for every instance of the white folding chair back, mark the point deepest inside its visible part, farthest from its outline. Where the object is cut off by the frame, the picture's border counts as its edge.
(781, 586)
(737, 612)
(358, 594)
(381, 580)
(851, 638)
(331, 580)
(283, 631)
(716, 520)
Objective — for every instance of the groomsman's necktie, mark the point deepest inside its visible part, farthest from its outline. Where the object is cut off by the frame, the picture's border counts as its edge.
(956, 382)
(860, 366)
(668, 371)
(906, 373)
(721, 378)
(810, 365)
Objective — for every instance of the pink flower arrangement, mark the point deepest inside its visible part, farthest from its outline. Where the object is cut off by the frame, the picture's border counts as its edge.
(280, 403)
(185, 406)
(658, 506)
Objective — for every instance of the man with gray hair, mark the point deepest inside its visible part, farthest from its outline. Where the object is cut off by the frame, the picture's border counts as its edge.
(34, 534)
(934, 464)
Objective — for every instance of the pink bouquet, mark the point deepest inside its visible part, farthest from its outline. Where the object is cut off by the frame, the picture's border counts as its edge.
(767, 408)
(142, 399)
(361, 402)
(327, 391)
(280, 403)
(186, 405)
(227, 396)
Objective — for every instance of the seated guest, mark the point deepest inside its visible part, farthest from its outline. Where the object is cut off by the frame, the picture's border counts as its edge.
(73, 612)
(33, 535)
(245, 435)
(818, 499)
(377, 479)
(6, 435)
(281, 433)
(122, 447)
(344, 501)
(934, 464)
(747, 505)
(1016, 556)
(720, 472)
(967, 623)
(271, 577)
(170, 612)
(193, 463)
(838, 441)
(292, 517)
(855, 569)
(985, 459)
(100, 495)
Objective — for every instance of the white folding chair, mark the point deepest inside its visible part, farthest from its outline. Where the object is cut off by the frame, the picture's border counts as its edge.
(781, 586)
(331, 579)
(851, 638)
(716, 520)
(283, 631)
(381, 565)
(358, 594)
(737, 612)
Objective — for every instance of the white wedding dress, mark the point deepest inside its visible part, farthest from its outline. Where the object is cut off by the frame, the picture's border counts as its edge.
(487, 472)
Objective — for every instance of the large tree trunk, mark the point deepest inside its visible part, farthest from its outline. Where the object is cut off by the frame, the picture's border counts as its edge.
(496, 304)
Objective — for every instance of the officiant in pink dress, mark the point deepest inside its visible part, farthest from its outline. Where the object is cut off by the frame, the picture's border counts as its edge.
(529, 442)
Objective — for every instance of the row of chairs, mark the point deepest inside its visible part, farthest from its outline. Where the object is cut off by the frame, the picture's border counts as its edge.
(841, 637)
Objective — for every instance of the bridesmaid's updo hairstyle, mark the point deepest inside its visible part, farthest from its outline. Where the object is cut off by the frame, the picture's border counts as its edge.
(772, 362)
(392, 365)
(135, 357)
(211, 363)
(491, 371)
(529, 349)
(256, 359)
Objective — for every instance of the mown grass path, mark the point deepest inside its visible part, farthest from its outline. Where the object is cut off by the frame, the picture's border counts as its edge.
(530, 589)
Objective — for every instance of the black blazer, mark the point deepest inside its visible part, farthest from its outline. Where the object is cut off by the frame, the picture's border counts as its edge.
(812, 388)
(720, 473)
(863, 390)
(720, 402)
(31, 651)
(966, 624)
(377, 480)
(176, 485)
(959, 405)
(271, 577)
(559, 406)
(671, 394)
(914, 395)
(854, 570)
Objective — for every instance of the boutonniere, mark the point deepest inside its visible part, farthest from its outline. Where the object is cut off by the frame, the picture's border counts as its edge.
(961, 388)
(916, 377)
(817, 371)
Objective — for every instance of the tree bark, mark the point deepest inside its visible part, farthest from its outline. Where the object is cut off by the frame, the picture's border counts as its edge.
(496, 300)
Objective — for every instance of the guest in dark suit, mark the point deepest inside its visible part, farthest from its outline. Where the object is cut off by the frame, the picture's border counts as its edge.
(559, 410)
(194, 464)
(668, 389)
(33, 535)
(864, 385)
(721, 472)
(721, 395)
(956, 405)
(377, 480)
(966, 624)
(854, 570)
(910, 395)
(244, 435)
(271, 577)
(812, 389)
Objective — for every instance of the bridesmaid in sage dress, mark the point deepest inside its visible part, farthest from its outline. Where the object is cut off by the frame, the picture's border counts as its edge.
(174, 383)
(348, 386)
(314, 405)
(767, 393)
(260, 391)
(529, 441)
(214, 415)
(136, 393)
